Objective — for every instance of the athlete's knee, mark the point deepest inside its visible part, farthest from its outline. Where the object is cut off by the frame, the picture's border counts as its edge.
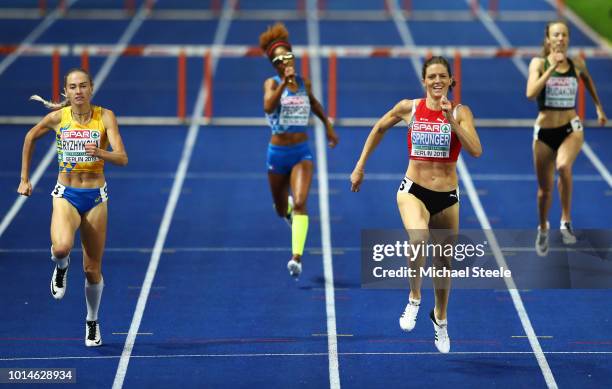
(281, 210)
(418, 236)
(544, 192)
(442, 262)
(299, 204)
(93, 272)
(565, 169)
(61, 249)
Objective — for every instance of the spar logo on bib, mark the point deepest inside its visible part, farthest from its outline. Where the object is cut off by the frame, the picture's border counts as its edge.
(426, 127)
(445, 128)
(80, 134)
(73, 145)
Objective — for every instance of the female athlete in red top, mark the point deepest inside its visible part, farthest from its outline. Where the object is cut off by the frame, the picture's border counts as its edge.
(427, 197)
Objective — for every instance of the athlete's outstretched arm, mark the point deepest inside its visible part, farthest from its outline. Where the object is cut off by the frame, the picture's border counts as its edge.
(401, 111)
(118, 156)
(590, 85)
(45, 125)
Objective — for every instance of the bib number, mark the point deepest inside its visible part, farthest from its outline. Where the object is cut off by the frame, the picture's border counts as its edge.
(295, 111)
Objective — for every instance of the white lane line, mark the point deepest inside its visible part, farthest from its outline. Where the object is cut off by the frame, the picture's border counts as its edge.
(601, 168)
(124, 40)
(220, 36)
(404, 32)
(33, 36)
(322, 180)
(36, 176)
(6, 62)
(312, 250)
(268, 355)
(501, 261)
(484, 221)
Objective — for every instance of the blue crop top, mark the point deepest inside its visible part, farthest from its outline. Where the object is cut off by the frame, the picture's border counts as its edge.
(293, 111)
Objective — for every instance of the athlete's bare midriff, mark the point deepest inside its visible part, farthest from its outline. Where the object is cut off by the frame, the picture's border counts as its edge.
(554, 119)
(436, 176)
(288, 138)
(82, 179)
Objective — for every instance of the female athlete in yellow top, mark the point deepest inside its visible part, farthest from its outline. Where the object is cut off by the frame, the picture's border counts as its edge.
(83, 133)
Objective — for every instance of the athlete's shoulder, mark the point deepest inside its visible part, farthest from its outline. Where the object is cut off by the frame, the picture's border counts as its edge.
(53, 118)
(578, 62)
(274, 80)
(108, 116)
(463, 109)
(537, 63)
(406, 105)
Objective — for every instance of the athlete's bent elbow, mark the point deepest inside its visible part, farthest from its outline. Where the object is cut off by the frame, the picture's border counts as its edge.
(530, 95)
(123, 161)
(476, 153)
(269, 108)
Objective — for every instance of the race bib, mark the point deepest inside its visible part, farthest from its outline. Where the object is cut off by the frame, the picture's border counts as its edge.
(295, 110)
(561, 92)
(432, 140)
(73, 145)
(576, 124)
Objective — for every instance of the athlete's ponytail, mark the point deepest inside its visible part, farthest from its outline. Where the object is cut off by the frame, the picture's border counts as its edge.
(50, 104)
(64, 103)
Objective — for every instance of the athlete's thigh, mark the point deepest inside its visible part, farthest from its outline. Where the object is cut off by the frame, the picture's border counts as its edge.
(65, 220)
(544, 164)
(279, 185)
(447, 219)
(301, 178)
(570, 148)
(415, 216)
(93, 232)
(444, 225)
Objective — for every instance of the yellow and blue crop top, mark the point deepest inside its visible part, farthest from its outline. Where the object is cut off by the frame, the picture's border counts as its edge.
(71, 137)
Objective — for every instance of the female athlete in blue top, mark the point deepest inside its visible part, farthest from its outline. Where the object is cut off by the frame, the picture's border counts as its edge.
(288, 101)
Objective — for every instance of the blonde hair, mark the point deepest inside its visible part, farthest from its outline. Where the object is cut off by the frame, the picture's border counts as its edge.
(274, 36)
(545, 46)
(64, 103)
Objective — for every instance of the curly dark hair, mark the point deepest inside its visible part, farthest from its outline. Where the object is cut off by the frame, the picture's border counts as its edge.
(275, 35)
